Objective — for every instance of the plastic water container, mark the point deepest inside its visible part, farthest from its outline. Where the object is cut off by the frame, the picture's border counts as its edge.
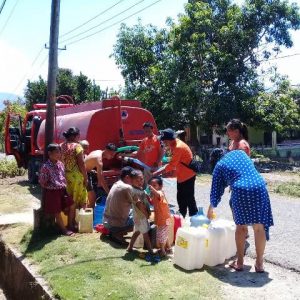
(230, 244)
(189, 252)
(216, 244)
(64, 218)
(199, 219)
(177, 223)
(85, 220)
(98, 214)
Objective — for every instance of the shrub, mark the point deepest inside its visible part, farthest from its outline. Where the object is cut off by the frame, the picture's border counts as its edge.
(9, 168)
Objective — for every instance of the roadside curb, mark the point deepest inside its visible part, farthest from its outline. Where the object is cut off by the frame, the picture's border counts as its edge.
(17, 278)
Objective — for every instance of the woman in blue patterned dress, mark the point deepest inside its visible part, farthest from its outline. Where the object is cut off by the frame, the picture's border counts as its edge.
(250, 202)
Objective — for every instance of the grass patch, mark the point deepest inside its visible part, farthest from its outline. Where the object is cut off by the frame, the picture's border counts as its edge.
(84, 267)
(289, 188)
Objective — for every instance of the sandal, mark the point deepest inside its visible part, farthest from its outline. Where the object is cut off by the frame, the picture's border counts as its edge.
(259, 270)
(236, 267)
(68, 233)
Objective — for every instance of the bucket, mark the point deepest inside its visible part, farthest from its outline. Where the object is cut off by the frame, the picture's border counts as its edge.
(98, 214)
(85, 220)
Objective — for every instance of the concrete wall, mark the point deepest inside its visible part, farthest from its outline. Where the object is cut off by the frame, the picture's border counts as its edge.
(16, 279)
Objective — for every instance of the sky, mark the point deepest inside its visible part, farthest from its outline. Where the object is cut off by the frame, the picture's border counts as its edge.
(25, 27)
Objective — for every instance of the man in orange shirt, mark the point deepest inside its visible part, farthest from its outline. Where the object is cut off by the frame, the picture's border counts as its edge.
(150, 149)
(181, 156)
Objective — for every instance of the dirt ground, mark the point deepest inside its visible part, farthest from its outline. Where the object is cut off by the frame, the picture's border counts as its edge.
(275, 283)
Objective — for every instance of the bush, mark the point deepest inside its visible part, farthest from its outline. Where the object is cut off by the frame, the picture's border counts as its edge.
(256, 154)
(9, 168)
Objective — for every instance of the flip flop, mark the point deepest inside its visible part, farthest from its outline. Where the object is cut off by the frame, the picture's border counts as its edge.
(68, 233)
(259, 270)
(235, 266)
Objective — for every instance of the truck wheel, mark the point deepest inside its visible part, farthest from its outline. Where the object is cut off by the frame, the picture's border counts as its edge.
(33, 168)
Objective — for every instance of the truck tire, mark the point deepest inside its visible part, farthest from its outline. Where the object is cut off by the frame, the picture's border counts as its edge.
(33, 169)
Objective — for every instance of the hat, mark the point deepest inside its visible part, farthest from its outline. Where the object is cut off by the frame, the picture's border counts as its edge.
(167, 134)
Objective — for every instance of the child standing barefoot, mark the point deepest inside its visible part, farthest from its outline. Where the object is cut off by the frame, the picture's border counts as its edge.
(52, 179)
(162, 214)
(141, 211)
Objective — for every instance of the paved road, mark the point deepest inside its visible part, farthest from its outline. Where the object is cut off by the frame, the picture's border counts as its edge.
(283, 247)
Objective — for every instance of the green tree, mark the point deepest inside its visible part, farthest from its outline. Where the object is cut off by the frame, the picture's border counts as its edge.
(35, 92)
(203, 69)
(277, 110)
(66, 83)
(79, 87)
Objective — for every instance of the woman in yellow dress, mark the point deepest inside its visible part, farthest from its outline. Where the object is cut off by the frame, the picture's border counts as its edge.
(76, 176)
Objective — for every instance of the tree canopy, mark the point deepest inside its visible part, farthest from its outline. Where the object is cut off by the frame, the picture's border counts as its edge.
(204, 68)
(80, 87)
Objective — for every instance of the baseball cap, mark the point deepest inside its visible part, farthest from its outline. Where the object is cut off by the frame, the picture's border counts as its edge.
(167, 134)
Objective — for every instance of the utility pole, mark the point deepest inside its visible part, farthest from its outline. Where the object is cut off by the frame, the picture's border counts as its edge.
(52, 74)
(40, 221)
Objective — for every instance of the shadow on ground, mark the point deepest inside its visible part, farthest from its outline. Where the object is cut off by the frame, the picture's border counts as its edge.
(34, 189)
(240, 279)
(37, 239)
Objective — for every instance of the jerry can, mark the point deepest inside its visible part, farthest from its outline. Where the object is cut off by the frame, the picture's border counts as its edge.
(64, 218)
(189, 250)
(177, 223)
(230, 244)
(85, 220)
(216, 245)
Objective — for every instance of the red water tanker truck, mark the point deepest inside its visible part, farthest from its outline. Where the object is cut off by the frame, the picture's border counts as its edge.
(107, 121)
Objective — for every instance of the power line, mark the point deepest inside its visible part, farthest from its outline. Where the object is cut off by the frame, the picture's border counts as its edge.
(26, 74)
(7, 20)
(122, 12)
(280, 57)
(88, 21)
(116, 23)
(2, 5)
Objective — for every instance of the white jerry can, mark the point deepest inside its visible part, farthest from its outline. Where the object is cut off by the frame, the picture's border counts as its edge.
(216, 247)
(230, 228)
(85, 220)
(189, 252)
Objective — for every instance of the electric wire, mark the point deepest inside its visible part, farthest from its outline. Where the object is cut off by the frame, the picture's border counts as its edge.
(8, 18)
(103, 22)
(2, 6)
(116, 23)
(93, 18)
